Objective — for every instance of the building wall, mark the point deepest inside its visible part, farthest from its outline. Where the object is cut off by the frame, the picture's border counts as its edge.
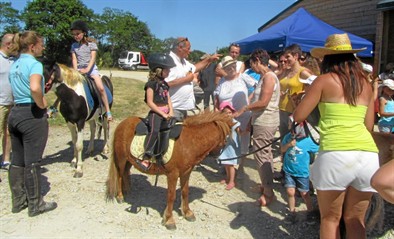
(355, 16)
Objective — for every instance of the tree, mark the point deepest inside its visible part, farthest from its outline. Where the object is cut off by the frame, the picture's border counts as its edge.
(121, 30)
(52, 19)
(9, 19)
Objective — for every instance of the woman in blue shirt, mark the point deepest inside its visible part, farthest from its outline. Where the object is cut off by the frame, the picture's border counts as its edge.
(28, 125)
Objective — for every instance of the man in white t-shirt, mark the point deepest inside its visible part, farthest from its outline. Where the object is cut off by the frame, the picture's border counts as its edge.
(181, 78)
(234, 50)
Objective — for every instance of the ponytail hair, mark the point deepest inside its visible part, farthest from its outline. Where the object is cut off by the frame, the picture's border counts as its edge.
(87, 39)
(155, 75)
(22, 41)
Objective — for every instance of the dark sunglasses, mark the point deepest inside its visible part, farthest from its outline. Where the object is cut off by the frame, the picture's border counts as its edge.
(234, 44)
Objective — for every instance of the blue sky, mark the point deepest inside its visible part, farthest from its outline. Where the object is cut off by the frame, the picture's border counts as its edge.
(209, 24)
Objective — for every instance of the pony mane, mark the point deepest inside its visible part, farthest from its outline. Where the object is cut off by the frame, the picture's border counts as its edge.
(223, 121)
(70, 76)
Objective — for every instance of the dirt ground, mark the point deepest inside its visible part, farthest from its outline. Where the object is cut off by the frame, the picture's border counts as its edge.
(83, 212)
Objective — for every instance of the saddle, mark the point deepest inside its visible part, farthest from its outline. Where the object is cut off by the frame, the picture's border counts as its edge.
(168, 130)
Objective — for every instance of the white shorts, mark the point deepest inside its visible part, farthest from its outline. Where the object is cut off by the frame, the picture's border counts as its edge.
(337, 170)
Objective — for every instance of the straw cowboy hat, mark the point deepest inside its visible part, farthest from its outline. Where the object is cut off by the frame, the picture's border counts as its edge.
(335, 44)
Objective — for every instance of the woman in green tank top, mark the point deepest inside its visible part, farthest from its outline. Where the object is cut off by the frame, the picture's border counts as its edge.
(348, 155)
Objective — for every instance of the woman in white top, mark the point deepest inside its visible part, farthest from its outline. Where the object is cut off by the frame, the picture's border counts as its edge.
(234, 88)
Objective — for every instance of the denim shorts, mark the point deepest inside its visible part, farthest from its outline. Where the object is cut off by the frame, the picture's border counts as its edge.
(301, 183)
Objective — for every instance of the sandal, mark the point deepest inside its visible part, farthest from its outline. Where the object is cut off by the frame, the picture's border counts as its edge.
(223, 181)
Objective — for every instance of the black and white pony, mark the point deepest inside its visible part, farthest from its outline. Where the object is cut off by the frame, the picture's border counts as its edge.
(79, 103)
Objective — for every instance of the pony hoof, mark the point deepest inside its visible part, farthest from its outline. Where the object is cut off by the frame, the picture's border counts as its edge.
(190, 218)
(78, 175)
(170, 227)
(119, 200)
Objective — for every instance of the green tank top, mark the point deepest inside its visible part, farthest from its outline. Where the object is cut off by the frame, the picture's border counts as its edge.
(342, 128)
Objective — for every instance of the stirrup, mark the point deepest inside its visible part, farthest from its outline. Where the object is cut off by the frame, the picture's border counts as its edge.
(142, 166)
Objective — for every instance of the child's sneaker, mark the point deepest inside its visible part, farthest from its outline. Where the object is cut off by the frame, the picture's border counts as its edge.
(290, 218)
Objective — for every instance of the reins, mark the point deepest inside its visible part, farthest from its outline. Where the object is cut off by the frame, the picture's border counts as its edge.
(307, 132)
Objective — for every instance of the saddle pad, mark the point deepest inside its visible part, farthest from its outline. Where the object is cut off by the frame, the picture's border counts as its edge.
(109, 95)
(137, 148)
(89, 93)
(89, 97)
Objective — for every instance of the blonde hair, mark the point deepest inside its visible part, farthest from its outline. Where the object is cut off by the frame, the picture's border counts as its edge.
(22, 41)
(156, 74)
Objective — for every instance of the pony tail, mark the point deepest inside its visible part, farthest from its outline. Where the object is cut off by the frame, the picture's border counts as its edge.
(90, 39)
(155, 75)
(15, 48)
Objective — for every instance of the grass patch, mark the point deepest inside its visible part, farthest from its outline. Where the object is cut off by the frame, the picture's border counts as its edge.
(128, 101)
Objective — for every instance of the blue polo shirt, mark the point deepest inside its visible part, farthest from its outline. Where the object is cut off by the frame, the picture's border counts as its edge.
(19, 77)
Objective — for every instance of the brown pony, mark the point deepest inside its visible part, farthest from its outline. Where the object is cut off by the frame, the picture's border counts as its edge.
(200, 135)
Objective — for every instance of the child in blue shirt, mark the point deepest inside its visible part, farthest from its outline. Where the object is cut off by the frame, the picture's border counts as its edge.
(386, 107)
(297, 147)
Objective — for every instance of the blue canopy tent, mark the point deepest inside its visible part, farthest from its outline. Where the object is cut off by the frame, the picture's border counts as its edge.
(303, 29)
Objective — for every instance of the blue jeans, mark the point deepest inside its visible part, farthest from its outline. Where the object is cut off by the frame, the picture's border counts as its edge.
(301, 183)
(28, 126)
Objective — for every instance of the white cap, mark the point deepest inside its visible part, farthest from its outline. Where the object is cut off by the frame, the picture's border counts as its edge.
(366, 67)
(389, 83)
(308, 80)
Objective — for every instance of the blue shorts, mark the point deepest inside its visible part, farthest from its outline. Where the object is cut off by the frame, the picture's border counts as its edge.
(301, 183)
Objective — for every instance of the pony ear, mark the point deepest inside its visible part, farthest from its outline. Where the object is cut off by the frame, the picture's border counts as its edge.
(47, 62)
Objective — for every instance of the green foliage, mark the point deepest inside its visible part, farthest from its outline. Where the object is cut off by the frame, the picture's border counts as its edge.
(52, 20)
(105, 60)
(195, 55)
(9, 19)
(121, 31)
(115, 30)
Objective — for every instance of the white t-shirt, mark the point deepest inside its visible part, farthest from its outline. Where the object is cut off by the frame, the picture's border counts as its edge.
(182, 96)
(5, 87)
(236, 92)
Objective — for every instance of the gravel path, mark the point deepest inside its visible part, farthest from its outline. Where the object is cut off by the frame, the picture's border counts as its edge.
(83, 212)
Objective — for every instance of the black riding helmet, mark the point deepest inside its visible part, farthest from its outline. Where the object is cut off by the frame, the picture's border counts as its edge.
(160, 60)
(79, 25)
